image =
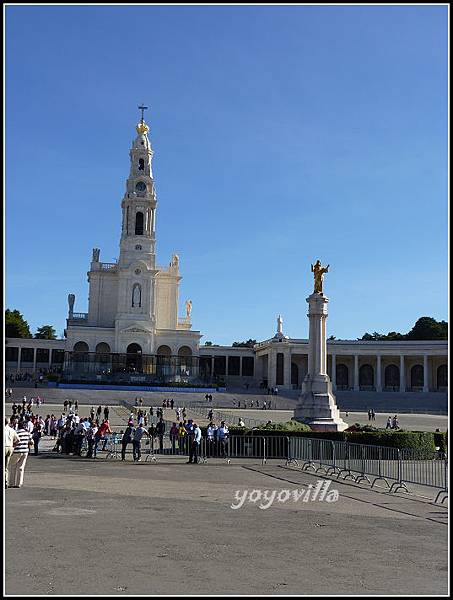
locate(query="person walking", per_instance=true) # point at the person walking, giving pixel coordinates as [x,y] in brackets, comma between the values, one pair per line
[139,432]
[126,439]
[195,446]
[160,430]
[189,435]
[210,439]
[181,437]
[101,434]
[222,435]
[19,457]
[10,440]
[173,437]
[389,423]
[36,436]
[91,435]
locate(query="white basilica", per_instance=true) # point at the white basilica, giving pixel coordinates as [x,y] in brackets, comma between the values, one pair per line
[133,304]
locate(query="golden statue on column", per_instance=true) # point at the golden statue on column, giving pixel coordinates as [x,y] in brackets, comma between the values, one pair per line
[319,271]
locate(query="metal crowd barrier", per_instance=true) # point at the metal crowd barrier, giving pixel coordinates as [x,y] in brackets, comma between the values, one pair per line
[396,467]
[361,462]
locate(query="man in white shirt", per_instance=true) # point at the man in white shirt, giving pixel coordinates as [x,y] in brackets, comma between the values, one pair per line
[11,439]
[211,433]
[194,449]
[222,436]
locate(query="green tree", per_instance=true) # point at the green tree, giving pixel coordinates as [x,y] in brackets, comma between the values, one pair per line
[46,332]
[15,325]
[208,343]
[248,344]
[394,336]
[427,328]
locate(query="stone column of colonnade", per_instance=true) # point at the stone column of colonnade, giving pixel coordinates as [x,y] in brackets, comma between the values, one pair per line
[402,374]
[378,373]
[272,369]
[425,373]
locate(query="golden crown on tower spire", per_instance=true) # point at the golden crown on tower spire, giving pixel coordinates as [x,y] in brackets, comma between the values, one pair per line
[142,128]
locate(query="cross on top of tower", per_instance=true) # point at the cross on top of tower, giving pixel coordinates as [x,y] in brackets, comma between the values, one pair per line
[142,108]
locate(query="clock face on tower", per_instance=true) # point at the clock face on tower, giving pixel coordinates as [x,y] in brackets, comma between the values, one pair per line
[140,186]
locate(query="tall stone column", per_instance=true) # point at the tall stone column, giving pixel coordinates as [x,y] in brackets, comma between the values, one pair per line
[378,373]
[425,373]
[402,374]
[272,369]
[34,360]
[317,404]
[19,356]
[356,374]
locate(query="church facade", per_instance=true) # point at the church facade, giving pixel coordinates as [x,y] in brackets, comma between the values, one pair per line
[132,323]
[132,333]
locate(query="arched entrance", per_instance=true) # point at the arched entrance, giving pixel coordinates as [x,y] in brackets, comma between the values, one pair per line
[366,377]
[442,377]
[185,360]
[417,376]
[81,347]
[163,362]
[392,377]
[134,358]
[342,376]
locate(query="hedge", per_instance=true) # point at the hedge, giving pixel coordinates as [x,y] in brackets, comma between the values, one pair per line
[423,441]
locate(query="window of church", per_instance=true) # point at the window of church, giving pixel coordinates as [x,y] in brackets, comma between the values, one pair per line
[139,223]
[141,164]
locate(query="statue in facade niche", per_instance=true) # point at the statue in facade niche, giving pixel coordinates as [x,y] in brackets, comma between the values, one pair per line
[188,309]
[175,260]
[136,296]
[319,271]
[71,300]
[96,253]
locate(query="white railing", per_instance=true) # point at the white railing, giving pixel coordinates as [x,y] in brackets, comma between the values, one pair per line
[78,316]
[108,266]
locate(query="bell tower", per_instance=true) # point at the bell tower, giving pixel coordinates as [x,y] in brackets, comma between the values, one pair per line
[139,203]
[136,308]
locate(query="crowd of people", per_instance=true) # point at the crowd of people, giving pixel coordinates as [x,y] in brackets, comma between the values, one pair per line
[73,433]
[266,405]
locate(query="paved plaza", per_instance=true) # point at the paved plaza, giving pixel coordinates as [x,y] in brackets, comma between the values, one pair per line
[106,527]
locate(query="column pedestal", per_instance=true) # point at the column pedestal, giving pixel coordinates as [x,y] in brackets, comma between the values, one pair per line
[317,406]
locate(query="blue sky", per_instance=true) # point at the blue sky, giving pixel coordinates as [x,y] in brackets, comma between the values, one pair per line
[282,134]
